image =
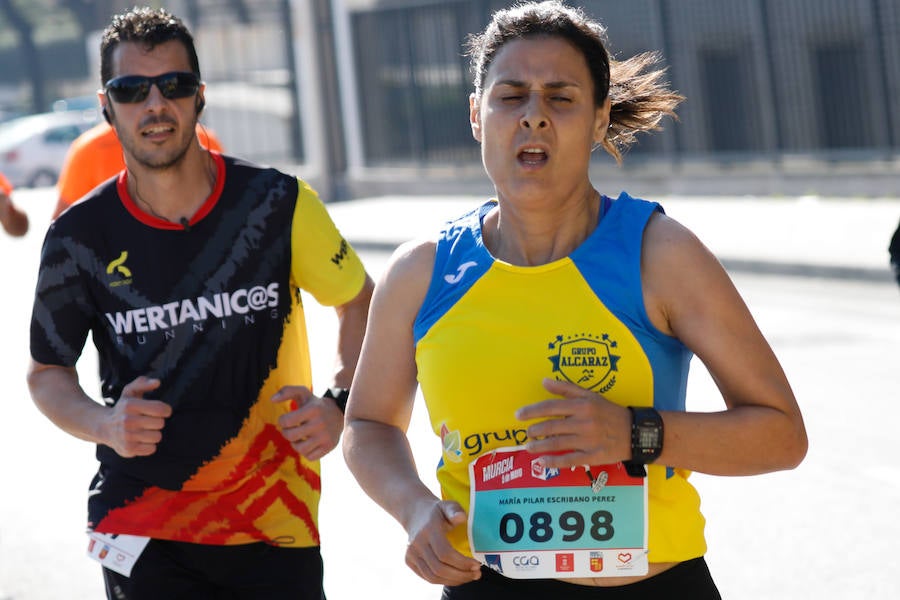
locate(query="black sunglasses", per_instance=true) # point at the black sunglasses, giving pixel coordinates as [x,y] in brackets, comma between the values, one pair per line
[135,88]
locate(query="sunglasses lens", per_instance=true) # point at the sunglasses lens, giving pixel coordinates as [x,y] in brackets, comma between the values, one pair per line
[178,85]
[134,88]
[130,88]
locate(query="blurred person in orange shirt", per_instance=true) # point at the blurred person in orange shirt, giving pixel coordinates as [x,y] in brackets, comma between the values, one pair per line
[95,156]
[14,220]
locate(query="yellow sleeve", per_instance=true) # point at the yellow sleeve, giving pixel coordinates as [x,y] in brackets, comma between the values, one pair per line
[322,262]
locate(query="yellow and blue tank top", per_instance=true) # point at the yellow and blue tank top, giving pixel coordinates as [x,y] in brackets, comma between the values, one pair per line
[488,332]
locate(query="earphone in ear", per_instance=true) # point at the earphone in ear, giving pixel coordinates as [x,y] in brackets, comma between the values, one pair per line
[200,104]
[106,115]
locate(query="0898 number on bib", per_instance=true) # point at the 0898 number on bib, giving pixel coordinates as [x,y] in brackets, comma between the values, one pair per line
[528,521]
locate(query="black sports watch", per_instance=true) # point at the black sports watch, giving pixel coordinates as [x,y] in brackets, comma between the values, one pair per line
[339,395]
[646,439]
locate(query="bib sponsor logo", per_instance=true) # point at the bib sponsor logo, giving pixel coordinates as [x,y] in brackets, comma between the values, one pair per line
[541,471]
[494,562]
[526,562]
[624,561]
[565,562]
[596,563]
[586,361]
[598,482]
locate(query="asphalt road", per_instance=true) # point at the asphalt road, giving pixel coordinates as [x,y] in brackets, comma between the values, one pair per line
[825,530]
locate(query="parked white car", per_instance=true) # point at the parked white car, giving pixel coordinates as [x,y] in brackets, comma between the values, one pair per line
[33,148]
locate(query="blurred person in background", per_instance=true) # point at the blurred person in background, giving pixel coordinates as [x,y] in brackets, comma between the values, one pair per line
[186,270]
[894,253]
[551,331]
[14,220]
[95,156]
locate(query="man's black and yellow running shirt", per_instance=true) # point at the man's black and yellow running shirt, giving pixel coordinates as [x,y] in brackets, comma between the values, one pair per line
[213,309]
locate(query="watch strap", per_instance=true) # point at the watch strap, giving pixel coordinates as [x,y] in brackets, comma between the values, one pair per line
[646,439]
[339,395]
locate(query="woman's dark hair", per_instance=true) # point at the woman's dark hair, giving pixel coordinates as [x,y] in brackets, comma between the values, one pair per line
[639,96]
[149,27]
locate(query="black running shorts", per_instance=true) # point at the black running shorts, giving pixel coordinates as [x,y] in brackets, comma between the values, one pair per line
[179,570]
[689,580]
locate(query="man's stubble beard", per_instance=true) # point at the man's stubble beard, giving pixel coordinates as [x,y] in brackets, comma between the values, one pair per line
[146,159]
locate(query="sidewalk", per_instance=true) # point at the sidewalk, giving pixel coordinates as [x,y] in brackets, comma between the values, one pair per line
[808,236]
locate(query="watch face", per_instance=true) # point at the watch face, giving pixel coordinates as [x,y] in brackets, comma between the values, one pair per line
[648,437]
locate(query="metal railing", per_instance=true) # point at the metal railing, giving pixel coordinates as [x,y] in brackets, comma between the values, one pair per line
[301,81]
[764,79]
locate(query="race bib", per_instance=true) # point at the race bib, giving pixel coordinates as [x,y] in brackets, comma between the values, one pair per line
[114,551]
[527,521]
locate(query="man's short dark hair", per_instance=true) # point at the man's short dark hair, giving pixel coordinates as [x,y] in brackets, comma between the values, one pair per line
[149,27]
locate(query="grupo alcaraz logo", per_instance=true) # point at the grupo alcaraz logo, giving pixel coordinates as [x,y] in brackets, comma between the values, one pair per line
[476,443]
[586,360]
[244,301]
